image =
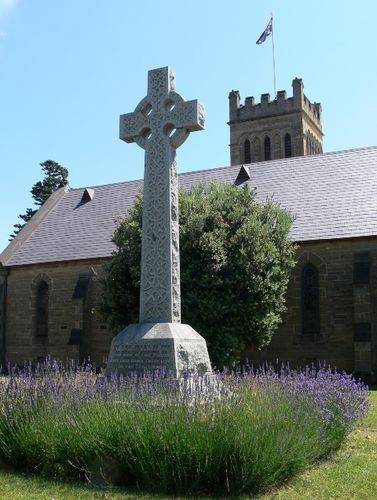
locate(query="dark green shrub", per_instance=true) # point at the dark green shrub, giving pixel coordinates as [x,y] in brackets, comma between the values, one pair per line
[236,260]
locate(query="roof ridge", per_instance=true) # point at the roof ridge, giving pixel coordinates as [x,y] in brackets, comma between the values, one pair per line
[292,158]
[208,169]
[109,184]
[141,180]
[309,157]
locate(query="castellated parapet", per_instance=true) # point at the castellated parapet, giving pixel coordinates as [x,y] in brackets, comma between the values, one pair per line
[271,129]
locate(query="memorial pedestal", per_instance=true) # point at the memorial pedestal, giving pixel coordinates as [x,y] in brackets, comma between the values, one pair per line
[146,347]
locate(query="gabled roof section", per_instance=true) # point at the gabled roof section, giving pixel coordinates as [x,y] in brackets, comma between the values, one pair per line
[332,196]
[87,195]
[31,227]
[243,176]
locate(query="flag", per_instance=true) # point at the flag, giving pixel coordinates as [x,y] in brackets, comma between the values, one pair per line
[265,33]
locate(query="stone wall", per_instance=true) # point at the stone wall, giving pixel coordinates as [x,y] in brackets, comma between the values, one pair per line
[75,330]
[3,291]
[348,314]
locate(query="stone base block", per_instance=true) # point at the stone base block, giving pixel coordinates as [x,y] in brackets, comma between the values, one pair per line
[146,347]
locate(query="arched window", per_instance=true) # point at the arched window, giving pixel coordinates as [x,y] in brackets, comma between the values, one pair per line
[256,149]
[267,148]
[42,309]
[288,145]
[247,151]
[310,300]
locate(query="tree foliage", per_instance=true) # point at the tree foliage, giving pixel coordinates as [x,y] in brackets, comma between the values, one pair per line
[54,177]
[236,260]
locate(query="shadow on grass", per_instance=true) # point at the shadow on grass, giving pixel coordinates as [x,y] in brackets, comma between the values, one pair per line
[20,485]
[14,484]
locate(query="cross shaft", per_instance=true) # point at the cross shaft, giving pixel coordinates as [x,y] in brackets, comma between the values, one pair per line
[160,123]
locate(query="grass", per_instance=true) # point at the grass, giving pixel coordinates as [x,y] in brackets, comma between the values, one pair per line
[352,473]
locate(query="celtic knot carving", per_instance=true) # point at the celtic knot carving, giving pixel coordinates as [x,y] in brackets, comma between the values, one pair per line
[161,122]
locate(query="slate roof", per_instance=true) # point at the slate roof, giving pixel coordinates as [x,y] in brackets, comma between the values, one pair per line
[332,196]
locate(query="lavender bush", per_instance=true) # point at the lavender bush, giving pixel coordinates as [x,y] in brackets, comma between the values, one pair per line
[244,432]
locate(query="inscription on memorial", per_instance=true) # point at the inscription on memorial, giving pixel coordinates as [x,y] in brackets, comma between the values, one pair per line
[144,356]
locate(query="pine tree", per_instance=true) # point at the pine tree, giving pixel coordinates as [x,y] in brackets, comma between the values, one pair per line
[55,176]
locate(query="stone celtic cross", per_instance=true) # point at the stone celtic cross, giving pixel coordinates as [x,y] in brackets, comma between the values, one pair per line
[160,123]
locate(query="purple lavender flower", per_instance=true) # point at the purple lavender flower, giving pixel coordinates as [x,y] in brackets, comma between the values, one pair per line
[258,421]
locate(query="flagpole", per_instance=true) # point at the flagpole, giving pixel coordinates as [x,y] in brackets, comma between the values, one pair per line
[273,55]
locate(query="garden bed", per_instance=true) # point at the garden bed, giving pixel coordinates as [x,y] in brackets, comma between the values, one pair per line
[252,431]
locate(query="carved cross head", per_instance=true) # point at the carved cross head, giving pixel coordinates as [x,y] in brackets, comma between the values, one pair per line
[162,115]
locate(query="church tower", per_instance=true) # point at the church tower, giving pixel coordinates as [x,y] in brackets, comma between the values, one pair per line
[284,127]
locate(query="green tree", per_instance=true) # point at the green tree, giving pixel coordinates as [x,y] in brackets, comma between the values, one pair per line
[54,177]
[236,260]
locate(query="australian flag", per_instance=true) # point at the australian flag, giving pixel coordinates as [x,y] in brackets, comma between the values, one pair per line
[265,33]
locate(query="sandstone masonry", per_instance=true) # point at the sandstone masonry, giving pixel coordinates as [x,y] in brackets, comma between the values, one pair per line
[75,330]
[347,309]
[347,337]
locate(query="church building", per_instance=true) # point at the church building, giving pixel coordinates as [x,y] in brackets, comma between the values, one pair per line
[50,273]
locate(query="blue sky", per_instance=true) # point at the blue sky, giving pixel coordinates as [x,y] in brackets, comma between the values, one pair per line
[68,69]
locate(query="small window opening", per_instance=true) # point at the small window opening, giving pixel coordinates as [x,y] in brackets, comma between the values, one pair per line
[88,195]
[81,288]
[288,145]
[361,269]
[247,151]
[267,148]
[310,300]
[362,332]
[243,176]
[42,309]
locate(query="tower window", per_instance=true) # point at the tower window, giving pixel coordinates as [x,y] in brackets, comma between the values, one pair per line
[267,148]
[310,300]
[247,151]
[288,145]
[42,309]
[257,156]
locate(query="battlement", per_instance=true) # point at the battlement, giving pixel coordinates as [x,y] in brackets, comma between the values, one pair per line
[271,129]
[278,106]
